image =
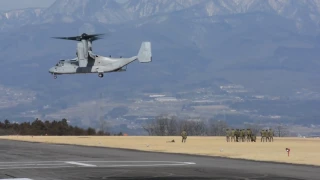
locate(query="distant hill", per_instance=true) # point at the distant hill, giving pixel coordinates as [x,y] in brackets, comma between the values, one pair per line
[271,47]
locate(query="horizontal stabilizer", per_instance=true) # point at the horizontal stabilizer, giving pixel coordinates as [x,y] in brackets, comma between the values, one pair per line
[145,54]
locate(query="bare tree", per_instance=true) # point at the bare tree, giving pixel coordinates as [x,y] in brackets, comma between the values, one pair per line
[199,128]
[255,128]
[161,126]
[217,128]
[149,127]
[162,123]
[172,126]
[194,127]
[182,126]
[281,130]
[104,126]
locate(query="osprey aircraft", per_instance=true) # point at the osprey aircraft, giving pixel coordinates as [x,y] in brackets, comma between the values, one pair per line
[88,62]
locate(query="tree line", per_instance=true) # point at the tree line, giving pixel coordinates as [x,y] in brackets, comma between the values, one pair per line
[173,126]
[50,128]
[160,126]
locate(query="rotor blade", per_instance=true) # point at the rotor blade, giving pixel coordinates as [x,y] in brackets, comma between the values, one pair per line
[95,38]
[76,38]
[91,37]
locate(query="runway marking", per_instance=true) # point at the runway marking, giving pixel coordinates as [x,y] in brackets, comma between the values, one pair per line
[17,179]
[4,165]
[25,162]
[81,164]
[77,164]
[48,167]
[136,161]
[189,162]
[141,165]
[178,162]
[172,163]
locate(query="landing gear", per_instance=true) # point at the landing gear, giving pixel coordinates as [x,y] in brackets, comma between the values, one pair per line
[54,76]
[100,75]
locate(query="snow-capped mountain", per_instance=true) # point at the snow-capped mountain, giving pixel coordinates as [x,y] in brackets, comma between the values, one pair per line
[18,18]
[271,46]
[303,13]
[111,11]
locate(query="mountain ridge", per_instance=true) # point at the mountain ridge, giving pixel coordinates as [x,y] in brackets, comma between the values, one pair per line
[111,11]
[200,44]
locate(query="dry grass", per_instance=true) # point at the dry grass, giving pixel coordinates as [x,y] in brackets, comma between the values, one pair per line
[303,150]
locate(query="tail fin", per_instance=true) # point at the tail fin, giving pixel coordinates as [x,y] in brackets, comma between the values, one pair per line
[145,55]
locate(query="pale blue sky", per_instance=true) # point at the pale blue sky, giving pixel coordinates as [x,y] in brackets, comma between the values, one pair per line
[17,4]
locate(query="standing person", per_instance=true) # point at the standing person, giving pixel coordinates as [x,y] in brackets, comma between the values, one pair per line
[271,135]
[184,136]
[237,133]
[228,135]
[263,135]
[249,135]
[267,135]
[240,135]
[232,135]
[253,138]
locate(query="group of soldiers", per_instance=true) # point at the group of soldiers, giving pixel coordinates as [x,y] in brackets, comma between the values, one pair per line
[246,135]
[267,135]
[241,135]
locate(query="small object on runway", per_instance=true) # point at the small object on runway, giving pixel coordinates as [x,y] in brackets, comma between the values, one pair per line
[288,151]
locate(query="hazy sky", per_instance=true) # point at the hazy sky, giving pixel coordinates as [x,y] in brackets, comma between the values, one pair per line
[17,4]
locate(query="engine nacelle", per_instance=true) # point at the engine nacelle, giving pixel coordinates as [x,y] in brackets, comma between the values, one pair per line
[83,61]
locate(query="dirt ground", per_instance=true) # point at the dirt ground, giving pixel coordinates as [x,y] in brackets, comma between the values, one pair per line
[302,150]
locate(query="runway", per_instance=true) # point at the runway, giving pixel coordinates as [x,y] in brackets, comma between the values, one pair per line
[37,161]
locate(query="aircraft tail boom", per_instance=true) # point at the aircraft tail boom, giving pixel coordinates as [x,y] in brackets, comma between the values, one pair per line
[145,55]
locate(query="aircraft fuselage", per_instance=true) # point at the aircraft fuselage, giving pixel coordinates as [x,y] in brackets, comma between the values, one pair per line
[88,62]
[98,65]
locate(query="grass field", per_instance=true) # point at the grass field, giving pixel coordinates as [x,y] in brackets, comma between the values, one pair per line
[303,150]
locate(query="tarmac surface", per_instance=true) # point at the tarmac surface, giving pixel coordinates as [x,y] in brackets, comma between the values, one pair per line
[39,161]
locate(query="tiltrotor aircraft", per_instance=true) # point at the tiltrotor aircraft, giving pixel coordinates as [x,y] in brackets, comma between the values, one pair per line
[88,62]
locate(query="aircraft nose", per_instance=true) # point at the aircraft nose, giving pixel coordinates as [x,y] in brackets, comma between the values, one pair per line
[51,70]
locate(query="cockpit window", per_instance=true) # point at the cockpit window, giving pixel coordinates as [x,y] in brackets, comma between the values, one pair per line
[73,61]
[60,63]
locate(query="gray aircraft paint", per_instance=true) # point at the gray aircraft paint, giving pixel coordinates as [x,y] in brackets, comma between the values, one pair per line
[88,62]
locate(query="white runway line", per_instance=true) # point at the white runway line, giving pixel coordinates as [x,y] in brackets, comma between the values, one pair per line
[173,162]
[81,164]
[15,165]
[189,162]
[24,162]
[76,163]
[37,167]
[17,179]
[141,165]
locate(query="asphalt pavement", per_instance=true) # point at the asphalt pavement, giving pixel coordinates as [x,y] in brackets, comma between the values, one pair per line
[37,161]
